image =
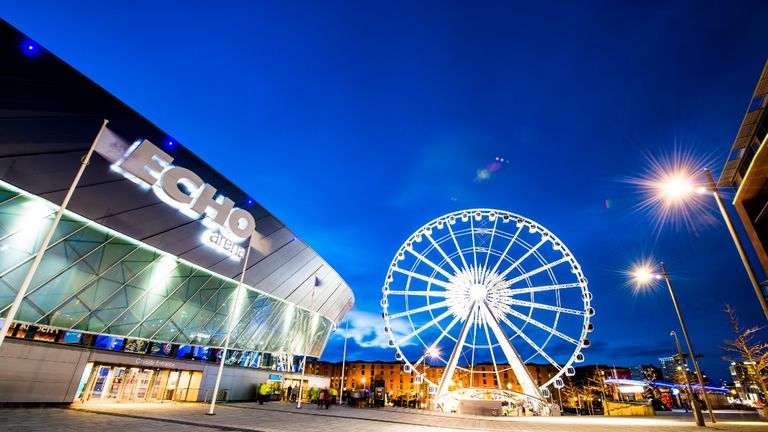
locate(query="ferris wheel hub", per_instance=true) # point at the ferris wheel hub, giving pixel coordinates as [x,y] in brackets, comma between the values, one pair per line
[478,292]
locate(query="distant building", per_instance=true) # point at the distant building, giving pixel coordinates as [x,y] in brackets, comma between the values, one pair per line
[747,170]
[744,382]
[668,368]
[360,374]
[586,373]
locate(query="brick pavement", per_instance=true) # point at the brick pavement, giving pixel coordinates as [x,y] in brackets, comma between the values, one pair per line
[279,417]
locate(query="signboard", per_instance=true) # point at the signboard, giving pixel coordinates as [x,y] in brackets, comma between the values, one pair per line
[228,226]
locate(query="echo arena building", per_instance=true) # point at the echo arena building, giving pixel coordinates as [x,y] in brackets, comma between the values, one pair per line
[132,298]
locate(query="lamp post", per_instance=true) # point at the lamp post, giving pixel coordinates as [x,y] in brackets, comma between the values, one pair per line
[737,242]
[343,364]
[695,407]
[429,352]
[677,184]
[602,390]
[645,275]
[365,393]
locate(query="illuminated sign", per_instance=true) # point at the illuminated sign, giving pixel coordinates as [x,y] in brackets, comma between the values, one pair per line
[147,165]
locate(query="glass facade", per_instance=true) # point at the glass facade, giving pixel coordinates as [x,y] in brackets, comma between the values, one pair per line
[95,280]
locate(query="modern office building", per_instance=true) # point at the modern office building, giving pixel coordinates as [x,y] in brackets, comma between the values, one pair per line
[747,171]
[134,295]
[746,382]
[668,368]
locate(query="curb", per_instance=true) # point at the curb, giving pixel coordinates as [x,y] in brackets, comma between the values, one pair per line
[167,420]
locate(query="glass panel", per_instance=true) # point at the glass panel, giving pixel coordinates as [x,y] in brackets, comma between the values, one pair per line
[92,279]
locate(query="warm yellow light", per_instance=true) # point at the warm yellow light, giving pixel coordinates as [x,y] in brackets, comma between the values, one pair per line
[643,274]
[676,185]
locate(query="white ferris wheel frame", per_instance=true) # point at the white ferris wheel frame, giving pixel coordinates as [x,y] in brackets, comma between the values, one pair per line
[490,311]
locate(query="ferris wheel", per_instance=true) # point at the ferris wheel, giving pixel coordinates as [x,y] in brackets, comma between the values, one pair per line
[485,292]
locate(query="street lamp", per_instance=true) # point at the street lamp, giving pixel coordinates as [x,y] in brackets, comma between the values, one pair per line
[695,407]
[645,275]
[675,187]
[430,352]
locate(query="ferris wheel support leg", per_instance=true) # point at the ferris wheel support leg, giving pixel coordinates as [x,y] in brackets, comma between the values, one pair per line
[521,372]
[442,388]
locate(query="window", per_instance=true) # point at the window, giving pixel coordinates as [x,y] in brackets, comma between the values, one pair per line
[756,103]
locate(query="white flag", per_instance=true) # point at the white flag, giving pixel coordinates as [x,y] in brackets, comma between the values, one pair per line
[111,146]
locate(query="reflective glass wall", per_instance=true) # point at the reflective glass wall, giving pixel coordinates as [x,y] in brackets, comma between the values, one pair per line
[96,280]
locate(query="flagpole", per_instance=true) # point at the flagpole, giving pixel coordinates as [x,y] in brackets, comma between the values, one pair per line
[44,245]
[306,340]
[343,363]
[230,326]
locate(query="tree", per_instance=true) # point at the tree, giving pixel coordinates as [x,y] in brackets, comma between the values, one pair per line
[594,386]
[750,351]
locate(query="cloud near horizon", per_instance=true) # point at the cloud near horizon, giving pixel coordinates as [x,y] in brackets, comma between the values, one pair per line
[367,330]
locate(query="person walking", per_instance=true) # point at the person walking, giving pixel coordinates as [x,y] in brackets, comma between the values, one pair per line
[321,398]
[334,396]
[263,392]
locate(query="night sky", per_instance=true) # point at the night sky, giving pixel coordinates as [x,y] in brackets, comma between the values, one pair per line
[357,122]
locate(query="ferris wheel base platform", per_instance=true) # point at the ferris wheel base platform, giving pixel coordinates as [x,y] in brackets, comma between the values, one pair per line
[493,403]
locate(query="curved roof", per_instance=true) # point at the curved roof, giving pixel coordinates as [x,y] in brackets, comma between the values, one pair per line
[48,119]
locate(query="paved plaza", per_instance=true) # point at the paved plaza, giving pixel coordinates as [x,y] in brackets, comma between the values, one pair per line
[279,417]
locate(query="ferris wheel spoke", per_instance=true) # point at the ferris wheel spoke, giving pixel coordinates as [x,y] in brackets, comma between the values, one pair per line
[511,301]
[431,280]
[430,293]
[442,252]
[474,344]
[490,247]
[426,308]
[534,272]
[440,338]
[490,348]
[506,250]
[474,247]
[520,260]
[538,324]
[530,342]
[426,261]
[534,289]
[425,326]
[456,243]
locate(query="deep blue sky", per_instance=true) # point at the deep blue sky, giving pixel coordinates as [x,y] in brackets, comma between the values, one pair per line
[357,122]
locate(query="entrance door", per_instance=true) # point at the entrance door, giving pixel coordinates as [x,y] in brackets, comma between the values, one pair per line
[116,385]
[100,383]
[142,385]
[129,385]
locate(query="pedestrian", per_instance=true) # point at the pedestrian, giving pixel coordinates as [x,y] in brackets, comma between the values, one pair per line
[321,398]
[334,396]
[294,393]
[289,394]
[263,392]
[327,399]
